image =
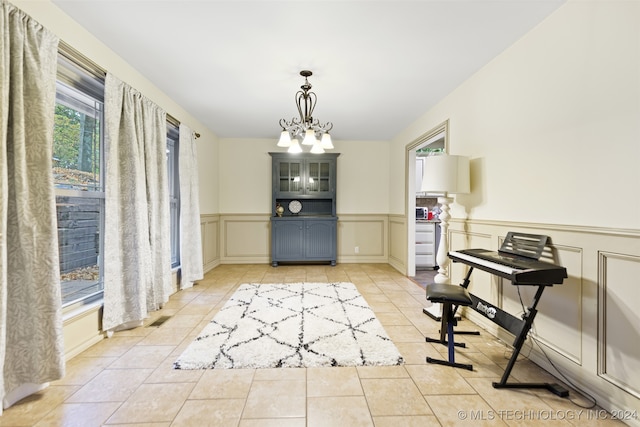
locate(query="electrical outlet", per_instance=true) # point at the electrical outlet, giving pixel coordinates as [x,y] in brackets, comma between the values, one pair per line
[357,249]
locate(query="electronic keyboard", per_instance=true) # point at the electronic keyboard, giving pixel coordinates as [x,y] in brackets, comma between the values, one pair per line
[519,269]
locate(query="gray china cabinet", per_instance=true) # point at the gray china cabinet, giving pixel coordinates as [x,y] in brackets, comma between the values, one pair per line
[303,208]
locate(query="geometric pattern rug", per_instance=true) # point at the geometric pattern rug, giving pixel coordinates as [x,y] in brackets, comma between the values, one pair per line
[287,325]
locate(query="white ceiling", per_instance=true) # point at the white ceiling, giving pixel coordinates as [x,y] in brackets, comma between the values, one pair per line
[377,65]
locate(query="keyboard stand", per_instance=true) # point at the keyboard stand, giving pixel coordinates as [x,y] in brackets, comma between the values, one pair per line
[521,245]
[518,327]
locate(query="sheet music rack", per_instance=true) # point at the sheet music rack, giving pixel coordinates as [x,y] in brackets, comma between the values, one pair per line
[523,244]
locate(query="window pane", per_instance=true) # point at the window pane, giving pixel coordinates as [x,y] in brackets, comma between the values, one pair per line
[174,192]
[76,141]
[79,224]
[77,168]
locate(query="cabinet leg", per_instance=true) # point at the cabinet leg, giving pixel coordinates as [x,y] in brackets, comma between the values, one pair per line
[274,263]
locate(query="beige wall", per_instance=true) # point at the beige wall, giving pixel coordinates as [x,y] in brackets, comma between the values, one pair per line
[551,124]
[245,175]
[76,36]
[588,327]
[552,128]
[553,131]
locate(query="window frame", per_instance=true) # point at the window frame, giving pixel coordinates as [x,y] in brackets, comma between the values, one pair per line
[173,179]
[82,80]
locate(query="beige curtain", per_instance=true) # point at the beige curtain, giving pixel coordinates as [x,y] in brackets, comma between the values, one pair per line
[137,255]
[31,341]
[191,268]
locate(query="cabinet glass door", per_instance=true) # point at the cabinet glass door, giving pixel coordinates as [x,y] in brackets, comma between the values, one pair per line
[290,179]
[319,177]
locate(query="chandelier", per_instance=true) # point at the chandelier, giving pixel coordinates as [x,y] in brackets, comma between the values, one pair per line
[305,130]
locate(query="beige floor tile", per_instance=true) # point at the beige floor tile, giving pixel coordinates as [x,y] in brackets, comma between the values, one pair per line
[349,411]
[333,382]
[382,372]
[376,298]
[214,412]
[416,353]
[166,336]
[165,373]
[482,365]
[152,403]
[131,377]
[223,384]
[291,374]
[273,422]
[407,421]
[400,334]
[276,399]
[515,406]
[183,320]
[423,323]
[81,370]
[31,409]
[111,385]
[573,409]
[115,346]
[439,379]
[79,414]
[396,396]
[143,356]
[404,299]
[395,319]
[166,424]
[461,410]
[383,307]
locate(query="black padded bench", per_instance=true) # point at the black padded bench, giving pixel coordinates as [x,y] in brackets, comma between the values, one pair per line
[449,296]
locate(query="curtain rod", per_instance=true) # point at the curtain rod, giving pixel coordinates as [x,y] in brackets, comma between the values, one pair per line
[69,52]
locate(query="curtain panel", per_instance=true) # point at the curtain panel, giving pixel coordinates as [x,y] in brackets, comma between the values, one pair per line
[31,340]
[137,256]
[191,267]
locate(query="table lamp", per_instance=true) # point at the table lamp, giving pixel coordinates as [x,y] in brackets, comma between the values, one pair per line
[445,174]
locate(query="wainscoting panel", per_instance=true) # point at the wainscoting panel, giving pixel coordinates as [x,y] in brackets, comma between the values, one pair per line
[367,233]
[588,327]
[619,326]
[398,242]
[245,238]
[82,330]
[209,225]
[558,323]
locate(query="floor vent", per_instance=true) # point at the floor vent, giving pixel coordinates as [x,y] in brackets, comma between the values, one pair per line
[158,322]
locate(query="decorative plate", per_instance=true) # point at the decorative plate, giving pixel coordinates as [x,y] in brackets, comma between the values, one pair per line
[295,206]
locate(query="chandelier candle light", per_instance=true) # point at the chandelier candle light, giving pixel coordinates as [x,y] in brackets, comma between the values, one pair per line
[306,128]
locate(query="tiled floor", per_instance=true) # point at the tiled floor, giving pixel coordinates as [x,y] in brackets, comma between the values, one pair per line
[128,379]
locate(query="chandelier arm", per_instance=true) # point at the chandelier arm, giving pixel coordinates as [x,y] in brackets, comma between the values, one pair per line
[300,97]
[326,127]
[313,100]
[306,101]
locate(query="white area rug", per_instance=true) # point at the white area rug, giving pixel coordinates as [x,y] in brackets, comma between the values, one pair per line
[292,325]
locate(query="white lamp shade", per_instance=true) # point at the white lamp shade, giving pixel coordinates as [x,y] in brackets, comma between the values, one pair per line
[285,139]
[295,146]
[309,137]
[317,148]
[446,174]
[326,142]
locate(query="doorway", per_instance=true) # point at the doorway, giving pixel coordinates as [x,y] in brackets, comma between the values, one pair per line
[433,141]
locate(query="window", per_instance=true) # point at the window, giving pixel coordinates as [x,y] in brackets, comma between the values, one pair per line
[78,177]
[173,136]
[78,172]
